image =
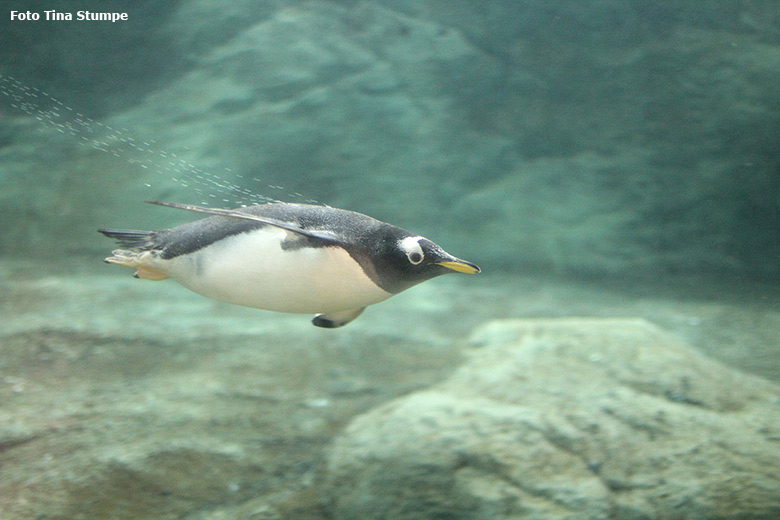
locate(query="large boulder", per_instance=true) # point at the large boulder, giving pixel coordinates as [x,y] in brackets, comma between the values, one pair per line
[574,419]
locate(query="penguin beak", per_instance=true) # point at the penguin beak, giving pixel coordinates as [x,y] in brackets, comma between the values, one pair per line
[461,266]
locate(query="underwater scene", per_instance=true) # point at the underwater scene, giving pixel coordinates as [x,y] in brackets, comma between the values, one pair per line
[390,259]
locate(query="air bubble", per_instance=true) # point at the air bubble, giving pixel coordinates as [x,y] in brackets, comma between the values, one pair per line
[144,153]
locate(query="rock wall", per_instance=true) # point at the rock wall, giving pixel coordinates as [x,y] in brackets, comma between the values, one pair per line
[621,138]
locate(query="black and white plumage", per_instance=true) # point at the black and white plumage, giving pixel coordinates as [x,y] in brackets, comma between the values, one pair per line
[283,257]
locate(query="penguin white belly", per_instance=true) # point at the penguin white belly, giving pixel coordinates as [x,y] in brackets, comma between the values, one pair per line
[253,270]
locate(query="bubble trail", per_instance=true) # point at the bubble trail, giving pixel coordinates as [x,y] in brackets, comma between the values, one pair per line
[141,153]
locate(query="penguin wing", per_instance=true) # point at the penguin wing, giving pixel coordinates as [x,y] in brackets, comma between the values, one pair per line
[334,320]
[232,213]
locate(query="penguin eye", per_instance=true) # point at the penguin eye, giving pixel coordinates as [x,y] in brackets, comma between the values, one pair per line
[415,257]
[412,249]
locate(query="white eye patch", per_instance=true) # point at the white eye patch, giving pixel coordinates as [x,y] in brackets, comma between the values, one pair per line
[411,247]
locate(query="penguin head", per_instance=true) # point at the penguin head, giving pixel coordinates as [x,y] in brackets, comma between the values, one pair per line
[406,260]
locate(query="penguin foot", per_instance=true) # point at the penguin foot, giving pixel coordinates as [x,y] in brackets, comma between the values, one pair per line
[137,260]
[334,320]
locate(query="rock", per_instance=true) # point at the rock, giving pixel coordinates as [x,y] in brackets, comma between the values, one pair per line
[570,418]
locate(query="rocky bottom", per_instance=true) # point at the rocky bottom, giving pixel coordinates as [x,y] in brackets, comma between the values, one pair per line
[487,397]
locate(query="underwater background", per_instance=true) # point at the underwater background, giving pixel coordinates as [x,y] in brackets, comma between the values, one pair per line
[613,166]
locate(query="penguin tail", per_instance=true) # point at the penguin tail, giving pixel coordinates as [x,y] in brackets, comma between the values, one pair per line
[130,238]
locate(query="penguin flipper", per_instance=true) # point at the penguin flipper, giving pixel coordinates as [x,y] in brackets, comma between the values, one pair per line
[232,213]
[334,320]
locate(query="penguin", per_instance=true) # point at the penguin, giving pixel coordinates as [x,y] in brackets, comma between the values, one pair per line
[284,257]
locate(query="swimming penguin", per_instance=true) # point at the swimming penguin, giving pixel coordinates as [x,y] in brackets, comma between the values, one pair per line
[298,258]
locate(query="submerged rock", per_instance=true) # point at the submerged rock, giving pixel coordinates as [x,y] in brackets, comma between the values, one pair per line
[571,418]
